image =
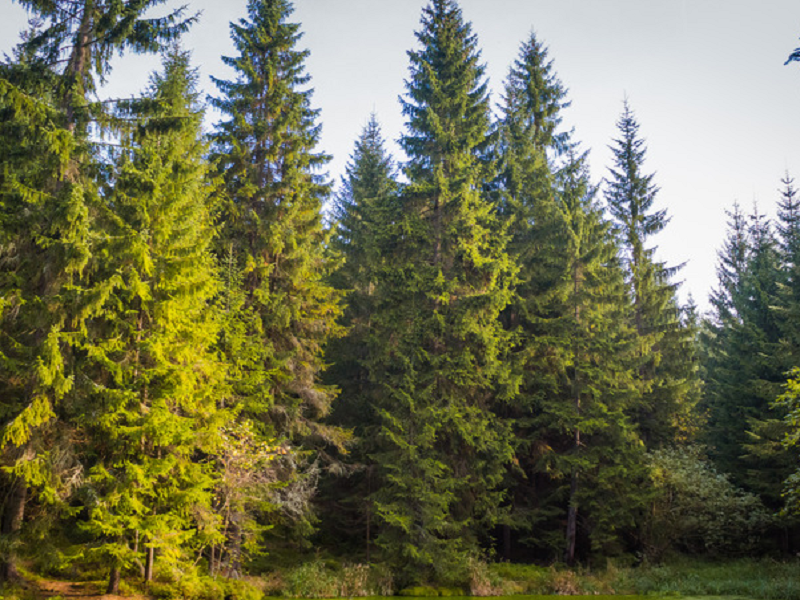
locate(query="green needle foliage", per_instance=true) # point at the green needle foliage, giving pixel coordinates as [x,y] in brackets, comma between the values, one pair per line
[528,144]
[279,308]
[364,210]
[272,223]
[155,378]
[44,249]
[667,369]
[749,347]
[89,33]
[53,195]
[437,345]
[742,363]
[584,415]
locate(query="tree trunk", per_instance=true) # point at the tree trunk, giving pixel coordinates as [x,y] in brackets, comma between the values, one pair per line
[507,542]
[572,521]
[113,580]
[76,66]
[150,555]
[10,528]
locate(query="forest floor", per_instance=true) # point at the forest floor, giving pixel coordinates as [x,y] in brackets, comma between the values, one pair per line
[40,588]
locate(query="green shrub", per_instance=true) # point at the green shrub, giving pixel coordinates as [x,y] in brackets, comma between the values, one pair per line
[523,579]
[698,510]
[193,585]
[427,591]
[329,579]
[419,591]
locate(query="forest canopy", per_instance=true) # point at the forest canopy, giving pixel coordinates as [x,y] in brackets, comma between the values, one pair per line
[213,358]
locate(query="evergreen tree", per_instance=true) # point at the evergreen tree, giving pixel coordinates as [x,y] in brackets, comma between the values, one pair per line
[788,304]
[528,142]
[155,379]
[364,208]
[89,33]
[603,464]
[44,250]
[743,371]
[50,204]
[437,346]
[788,403]
[273,236]
[362,211]
[667,374]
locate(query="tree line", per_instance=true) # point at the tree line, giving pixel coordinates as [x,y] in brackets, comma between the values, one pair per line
[473,351]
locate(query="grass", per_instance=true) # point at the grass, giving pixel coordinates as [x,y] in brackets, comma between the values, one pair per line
[762,579]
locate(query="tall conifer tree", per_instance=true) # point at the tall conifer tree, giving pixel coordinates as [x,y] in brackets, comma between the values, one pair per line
[527,147]
[438,345]
[742,355]
[273,239]
[71,49]
[264,149]
[150,355]
[667,374]
[587,327]
[363,212]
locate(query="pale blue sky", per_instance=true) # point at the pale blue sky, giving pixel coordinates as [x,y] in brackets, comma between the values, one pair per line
[705,77]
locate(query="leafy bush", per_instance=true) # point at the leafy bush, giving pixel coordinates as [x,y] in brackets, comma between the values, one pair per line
[523,579]
[191,584]
[698,510]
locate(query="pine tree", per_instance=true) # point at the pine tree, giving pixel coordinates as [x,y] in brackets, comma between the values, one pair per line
[437,346]
[273,236]
[155,379]
[667,376]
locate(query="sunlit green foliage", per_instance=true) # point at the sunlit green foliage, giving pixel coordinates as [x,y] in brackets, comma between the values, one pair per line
[437,348]
[150,405]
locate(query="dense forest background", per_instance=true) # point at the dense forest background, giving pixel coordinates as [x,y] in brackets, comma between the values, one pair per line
[470,356]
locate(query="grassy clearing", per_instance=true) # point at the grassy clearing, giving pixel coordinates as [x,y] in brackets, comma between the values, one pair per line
[763,579]
[695,579]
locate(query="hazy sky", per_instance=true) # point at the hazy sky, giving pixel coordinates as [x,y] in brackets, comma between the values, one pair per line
[705,77]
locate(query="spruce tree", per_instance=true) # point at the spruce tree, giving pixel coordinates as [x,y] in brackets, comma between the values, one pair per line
[155,378]
[363,211]
[667,376]
[527,147]
[55,196]
[742,351]
[89,33]
[273,238]
[437,346]
[44,248]
[788,304]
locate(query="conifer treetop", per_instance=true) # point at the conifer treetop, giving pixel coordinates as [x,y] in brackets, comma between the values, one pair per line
[534,90]
[447,102]
[630,192]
